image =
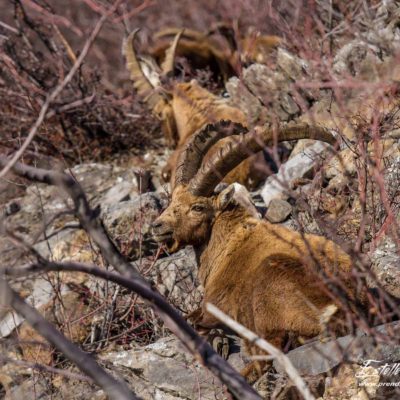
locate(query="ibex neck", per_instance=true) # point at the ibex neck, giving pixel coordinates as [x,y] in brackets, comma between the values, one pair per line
[225,227]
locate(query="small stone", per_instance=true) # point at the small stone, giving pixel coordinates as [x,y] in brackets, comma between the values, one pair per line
[293,66]
[278,211]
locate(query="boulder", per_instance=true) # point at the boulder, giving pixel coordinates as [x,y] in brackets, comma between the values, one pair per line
[164,370]
[296,168]
[319,357]
[386,267]
[129,222]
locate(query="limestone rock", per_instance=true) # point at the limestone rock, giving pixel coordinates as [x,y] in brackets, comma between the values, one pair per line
[353,382]
[40,292]
[294,67]
[242,98]
[278,211]
[297,167]
[71,311]
[386,267]
[129,222]
[164,370]
[316,357]
[176,278]
[343,162]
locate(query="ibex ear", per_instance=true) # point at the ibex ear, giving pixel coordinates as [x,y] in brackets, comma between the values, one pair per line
[238,195]
[225,197]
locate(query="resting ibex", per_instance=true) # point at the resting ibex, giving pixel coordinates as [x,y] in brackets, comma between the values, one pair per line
[205,52]
[185,109]
[258,273]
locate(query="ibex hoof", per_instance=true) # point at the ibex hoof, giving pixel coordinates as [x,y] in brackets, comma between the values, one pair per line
[220,342]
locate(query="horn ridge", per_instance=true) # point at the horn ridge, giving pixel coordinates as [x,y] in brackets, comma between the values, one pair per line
[190,158]
[231,155]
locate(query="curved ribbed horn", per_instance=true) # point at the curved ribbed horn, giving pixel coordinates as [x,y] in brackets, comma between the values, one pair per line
[231,155]
[144,81]
[169,61]
[190,159]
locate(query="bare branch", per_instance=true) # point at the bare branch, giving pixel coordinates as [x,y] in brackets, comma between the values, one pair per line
[264,345]
[115,389]
[45,368]
[194,343]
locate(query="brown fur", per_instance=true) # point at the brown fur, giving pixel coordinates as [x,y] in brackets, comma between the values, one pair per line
[262,275]
[258,48]
[193,108]
[205,51]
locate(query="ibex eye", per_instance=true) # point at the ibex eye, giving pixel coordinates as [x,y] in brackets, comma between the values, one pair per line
[198,207]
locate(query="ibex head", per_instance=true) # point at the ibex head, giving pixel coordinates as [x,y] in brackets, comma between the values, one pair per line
[195,206]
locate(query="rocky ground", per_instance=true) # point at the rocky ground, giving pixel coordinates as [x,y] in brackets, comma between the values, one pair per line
[351,196]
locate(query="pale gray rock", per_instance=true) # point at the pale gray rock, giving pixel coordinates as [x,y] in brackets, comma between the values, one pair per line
[294,67]
[122,191]
[165,371]
[386,267]
[278,211]
[103,183]
[129,222]
[176,278]
[242,98]
[317,357]
[350,56]
[41,293]
[297,167]
[288,104]
[39,389]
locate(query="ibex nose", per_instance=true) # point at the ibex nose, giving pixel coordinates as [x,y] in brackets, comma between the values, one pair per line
[160,231]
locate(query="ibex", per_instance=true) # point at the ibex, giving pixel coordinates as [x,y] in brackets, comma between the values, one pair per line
[260,274]
[199,46]
[185,109]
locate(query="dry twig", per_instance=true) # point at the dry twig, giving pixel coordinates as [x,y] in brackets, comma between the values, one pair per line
[264,345]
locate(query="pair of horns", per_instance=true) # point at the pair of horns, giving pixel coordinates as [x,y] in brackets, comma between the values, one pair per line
[145,73]
[202,179]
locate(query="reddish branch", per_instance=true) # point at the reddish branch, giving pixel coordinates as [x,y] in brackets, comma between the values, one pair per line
[57,91]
